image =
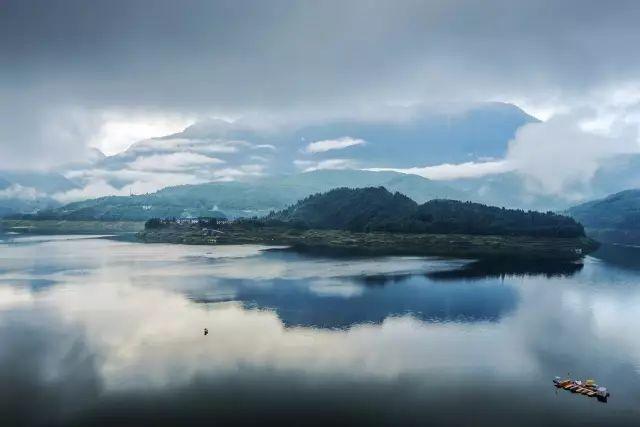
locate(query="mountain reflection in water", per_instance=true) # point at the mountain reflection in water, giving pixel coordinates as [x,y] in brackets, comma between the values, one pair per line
[343,303]
[503,268]
[98,332]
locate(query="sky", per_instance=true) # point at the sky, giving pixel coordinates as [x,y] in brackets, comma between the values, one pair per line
[77,75]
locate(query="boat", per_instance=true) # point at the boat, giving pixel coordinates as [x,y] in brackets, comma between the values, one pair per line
[587,388]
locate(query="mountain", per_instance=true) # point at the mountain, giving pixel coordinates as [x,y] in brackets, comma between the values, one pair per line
[619,173]
[431,137]
[22,191]
[363,209]
[613,219]
[247,151]
[244,198]
[422,136]
[511,189]
[377,209]
[44,182]
[217,150]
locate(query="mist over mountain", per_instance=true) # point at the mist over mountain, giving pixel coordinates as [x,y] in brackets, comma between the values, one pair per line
[23,191]
[431,136]
[248,198]
[613,219]
[250,150]
[216,150]
[246,164]
[45,182]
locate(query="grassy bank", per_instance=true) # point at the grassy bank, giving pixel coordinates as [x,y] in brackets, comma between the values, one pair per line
[380,243]
[69,227]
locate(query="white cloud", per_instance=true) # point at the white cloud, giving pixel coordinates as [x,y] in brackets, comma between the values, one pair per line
[195,145]
[310,165]
[94,189]
[243,171]
[17,191]
[119,130]
[562,155]
[258,159]
[333,144]
[449,171]
[11,297]
[152,164]
[99,183]
[122,182]
[173,162]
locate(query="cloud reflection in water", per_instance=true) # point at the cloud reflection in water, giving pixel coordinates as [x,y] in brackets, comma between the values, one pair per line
[124,338]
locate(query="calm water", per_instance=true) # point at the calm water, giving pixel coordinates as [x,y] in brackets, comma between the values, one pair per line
[101,332]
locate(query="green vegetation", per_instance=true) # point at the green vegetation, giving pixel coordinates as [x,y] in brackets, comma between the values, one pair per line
[241,199]
[614,219]
[375,221]
[377,243]
[69,227]
[376,209]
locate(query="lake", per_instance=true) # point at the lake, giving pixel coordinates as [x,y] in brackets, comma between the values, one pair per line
[95,331]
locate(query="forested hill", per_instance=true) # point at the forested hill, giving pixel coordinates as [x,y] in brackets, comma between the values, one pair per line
[377,209]
[614,219]
[617,211]
[243,199]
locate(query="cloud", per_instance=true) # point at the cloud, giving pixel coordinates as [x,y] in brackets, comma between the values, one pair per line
[562,155]
[242,171]
[456,171]
[101,183]
[173,162]
[311,165]
[195,145]
[17,191]
[152,164]
[333,144]
[558,157]
[321,59]
[34,136]
[118,131]
[170,170]
[93,189]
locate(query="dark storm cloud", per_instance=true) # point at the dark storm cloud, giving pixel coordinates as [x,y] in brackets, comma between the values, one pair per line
[63,59]
[246,54]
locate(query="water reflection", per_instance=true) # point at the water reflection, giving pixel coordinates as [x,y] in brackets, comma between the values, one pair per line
[115,338]
[502,268]
[341,303]
[627,257]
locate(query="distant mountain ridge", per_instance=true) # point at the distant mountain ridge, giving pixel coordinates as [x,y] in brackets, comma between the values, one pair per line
[426,136]
[218,151]
[613,219]
[261,160]
[22,191]
[244,199]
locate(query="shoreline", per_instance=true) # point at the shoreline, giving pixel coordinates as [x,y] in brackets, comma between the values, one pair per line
[380,243]
[326,241]
[28,226]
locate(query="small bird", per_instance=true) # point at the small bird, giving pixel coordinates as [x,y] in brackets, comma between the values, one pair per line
[206,331]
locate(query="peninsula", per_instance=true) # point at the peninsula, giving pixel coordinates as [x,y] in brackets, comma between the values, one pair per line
[374,221]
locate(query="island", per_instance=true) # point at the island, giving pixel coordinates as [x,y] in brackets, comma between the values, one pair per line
[374,221]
